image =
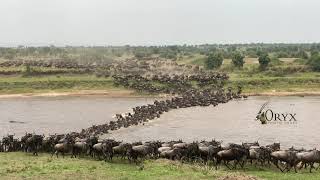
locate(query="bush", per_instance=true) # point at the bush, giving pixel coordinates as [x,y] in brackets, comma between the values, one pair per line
[264,61]
[314,62]
[214,61]
[237,60]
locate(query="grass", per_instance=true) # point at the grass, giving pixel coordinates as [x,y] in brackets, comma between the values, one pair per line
[19,84]
[289,76]
[19,165]
[303,83]
[257,83]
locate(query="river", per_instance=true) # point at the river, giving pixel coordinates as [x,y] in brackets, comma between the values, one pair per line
[230,122]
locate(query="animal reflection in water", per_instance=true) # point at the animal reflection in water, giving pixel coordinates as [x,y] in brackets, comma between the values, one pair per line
[262,114]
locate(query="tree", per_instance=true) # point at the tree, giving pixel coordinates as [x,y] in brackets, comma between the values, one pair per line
[237,60]
[302,54]
[314,62]
[214,61]
[264,60]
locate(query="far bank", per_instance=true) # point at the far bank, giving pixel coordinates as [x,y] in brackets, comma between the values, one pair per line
[89,85]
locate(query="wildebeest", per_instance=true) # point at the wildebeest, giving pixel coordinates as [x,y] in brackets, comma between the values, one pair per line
[7,143]
[97,150]
[34,143]
[91,141]
[172,154]
[309,157]
[140,151]
[122,150]
[208,153]
[65,145]
[259,153]
[236,154]
[287,156]
[248,145]
[80,147]
[107,148]
[273,147]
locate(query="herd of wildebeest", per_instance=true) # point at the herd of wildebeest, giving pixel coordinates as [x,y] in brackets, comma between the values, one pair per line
[203,152]
[186,91]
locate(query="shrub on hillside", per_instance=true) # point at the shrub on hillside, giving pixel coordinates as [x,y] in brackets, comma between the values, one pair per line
[214,61]
[314,62]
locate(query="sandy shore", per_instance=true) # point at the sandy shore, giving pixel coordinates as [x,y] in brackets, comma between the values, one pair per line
[129,93]
[107,93]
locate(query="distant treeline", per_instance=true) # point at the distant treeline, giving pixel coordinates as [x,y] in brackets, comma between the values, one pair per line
[95,53]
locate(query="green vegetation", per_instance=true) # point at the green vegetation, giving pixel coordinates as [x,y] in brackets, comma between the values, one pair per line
[237,60]
[288,76]
[264,61]
[18,84]
[314,62]
[214,61]
[25,166]
[259,68]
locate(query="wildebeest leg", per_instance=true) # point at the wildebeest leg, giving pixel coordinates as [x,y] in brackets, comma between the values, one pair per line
[111,156]
[226,164]
[311,166]
[288,167]
[217,163]
[36,151]
[57,154]
[53,152]
[105,156]
[276,163]
[243,163]
[261,162]
[235,164]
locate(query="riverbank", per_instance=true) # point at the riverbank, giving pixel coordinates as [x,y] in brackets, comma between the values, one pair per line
[133,94]
[25,166]
[88,85]
[106,93]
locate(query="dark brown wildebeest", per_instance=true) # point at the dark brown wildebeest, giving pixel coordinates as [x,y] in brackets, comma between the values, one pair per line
[107,148]
[171,154]
[309,157]
[287,156]
[34,143]
[79,148]
[236,154]
[208,153]
[122,149]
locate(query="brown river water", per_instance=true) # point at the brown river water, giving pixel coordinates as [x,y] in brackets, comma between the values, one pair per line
[230,122]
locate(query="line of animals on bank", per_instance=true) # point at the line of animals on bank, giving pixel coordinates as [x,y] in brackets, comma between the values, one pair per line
[231,155]
[170,84]
[128,66]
